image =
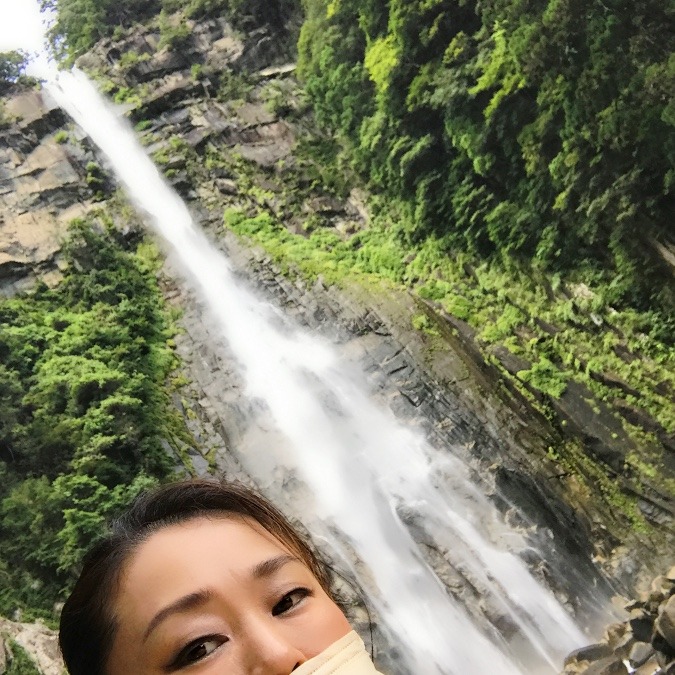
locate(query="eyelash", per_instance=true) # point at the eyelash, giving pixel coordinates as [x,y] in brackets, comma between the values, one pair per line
[183,660]
[296,596]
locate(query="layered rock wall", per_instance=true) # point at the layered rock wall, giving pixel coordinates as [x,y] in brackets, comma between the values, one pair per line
[42,187]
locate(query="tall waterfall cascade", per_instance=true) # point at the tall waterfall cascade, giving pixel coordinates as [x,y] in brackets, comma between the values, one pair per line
[360,465]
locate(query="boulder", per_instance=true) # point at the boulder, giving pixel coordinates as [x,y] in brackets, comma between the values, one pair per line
[641,625]
[646,640]
[608,666]
[640,653]
[590,653]
[665,622]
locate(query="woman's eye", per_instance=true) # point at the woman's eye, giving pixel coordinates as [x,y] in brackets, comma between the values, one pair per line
[197,650]
[290,600]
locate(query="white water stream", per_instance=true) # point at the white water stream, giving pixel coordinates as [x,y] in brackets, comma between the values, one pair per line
[357,460]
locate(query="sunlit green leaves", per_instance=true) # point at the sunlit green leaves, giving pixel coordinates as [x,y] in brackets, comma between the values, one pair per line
[539,129]
[79,23]
[382,57]
[83,409]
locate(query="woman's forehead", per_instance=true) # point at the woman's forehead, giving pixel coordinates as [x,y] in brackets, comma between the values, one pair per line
[194,554]
[231,531]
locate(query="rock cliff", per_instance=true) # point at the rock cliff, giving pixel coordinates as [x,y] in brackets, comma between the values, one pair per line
[43,188]
[225,133]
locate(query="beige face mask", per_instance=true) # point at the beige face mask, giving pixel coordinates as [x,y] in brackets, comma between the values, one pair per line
[347,656]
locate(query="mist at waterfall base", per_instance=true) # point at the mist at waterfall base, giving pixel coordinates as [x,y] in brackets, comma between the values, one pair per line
[362,467]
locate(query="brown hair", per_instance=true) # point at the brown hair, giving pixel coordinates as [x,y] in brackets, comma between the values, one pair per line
[88,626]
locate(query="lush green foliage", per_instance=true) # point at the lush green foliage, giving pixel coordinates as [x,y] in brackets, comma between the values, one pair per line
[243,13]
[175,32]
[80,23]
[83,411]
[12,66]
[540,129]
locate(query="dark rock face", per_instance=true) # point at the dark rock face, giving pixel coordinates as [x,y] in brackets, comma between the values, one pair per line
[644,643]
[42,188]
[665,623]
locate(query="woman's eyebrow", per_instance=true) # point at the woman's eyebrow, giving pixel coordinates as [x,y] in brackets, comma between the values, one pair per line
[263,569]
[184,604]
[268,567]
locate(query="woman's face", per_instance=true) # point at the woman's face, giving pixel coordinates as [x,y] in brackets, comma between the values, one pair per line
[219,596]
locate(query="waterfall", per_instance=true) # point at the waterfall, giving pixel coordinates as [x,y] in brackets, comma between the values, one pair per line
[363,468]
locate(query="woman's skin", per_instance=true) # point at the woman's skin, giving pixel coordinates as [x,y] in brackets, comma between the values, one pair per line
[219,595]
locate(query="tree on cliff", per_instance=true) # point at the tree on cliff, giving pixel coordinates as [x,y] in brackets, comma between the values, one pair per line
[83,411]
[80,23]
[12,67]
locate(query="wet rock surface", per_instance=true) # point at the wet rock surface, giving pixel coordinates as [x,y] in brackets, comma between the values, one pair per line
[644,643]
[371,340]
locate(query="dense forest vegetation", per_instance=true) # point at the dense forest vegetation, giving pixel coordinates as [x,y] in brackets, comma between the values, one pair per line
[83,411]
[538,129]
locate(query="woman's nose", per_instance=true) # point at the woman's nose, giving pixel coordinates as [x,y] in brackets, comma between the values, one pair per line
[271,651]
